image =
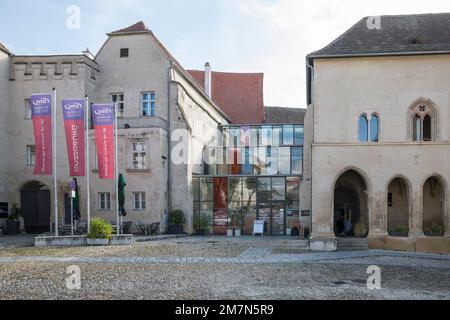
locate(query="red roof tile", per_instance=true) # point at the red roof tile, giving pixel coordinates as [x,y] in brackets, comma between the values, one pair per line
[135,28]
[239,95]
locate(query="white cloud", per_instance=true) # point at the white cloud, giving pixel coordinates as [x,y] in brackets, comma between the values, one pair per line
[296,28]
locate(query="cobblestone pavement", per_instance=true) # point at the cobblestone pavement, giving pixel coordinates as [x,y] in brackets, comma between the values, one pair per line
[218,268]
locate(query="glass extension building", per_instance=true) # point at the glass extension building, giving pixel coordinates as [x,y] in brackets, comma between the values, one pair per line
[255,174]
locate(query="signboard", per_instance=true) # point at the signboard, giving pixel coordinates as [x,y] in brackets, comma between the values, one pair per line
[258,227]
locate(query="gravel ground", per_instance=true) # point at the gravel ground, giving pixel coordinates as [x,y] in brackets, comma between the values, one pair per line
[200,270]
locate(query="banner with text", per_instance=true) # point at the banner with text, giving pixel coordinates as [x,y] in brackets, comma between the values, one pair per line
[103,117]
[73,113]
[41,113]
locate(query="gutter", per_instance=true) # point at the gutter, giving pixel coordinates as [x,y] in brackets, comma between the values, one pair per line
[379,54]
[311,67]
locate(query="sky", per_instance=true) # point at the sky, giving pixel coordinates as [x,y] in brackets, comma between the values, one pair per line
[269,36]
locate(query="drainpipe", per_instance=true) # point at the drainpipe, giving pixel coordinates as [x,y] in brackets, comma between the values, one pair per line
[169,142]
[311,67]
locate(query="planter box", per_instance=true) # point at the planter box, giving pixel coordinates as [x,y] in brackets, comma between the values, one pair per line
[97,242]
[122,240]
[75,241]
[237,233]
[12,227]
[230,233]
[175,229]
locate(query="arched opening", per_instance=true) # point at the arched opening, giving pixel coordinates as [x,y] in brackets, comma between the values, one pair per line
[374,128]
[433,207]
[398,208]
[363,128]
[423,118]
[35,203]
[351,206]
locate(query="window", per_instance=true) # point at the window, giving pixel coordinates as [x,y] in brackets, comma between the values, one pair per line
[148,104]
[139,155]
[119,98]
[299,135]
[104,201]
[288,135]
[363,128]
[284,160]
[27,109]
[297,161]
[423,121]
[139,201]
[31,155]
[124,52]
[374,127]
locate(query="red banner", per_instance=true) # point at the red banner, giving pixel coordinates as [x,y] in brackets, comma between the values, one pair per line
[73,112]
[41,113]
[103,117]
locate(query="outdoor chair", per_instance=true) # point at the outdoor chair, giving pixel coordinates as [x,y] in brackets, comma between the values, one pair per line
[142,227]
[126,227]
[153,229]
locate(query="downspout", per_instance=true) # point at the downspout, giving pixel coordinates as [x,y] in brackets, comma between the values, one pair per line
[169,142]
[311,67]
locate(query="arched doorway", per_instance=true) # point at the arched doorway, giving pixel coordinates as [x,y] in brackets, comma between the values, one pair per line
[35,202]
[350,205]
[398,207]
[434,207]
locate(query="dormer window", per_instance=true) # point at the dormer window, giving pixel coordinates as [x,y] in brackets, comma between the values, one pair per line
[124,52]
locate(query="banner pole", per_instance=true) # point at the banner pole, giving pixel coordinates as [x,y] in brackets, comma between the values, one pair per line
[71,212]
[55,180]
[116,172]
[87,165]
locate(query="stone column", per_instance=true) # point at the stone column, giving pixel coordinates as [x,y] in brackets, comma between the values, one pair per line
[377,207]
[322,237]
[447,216]
[416,215]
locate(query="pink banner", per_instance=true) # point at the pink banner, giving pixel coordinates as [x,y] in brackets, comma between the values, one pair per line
[103,117]
[41,113]
[73,112]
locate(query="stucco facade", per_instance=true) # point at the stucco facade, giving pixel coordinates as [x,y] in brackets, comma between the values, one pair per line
[179,103]
[345,89]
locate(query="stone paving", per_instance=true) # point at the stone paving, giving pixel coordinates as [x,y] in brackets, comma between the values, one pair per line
[219,268]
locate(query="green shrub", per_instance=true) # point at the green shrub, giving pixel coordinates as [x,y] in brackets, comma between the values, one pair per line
[201,223]
[434,229]
[361,230]
[15,214]
[401,230]
[100,229]
[176,218]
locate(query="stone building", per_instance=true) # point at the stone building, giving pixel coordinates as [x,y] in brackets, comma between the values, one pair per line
[379,113]
[168,117]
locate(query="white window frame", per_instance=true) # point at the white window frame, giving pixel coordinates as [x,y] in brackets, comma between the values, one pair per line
[120,102]
[151,112]
[138,164]
[139,201]
[31,155]
[104,204]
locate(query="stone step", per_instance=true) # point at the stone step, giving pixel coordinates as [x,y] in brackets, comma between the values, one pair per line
[352,244]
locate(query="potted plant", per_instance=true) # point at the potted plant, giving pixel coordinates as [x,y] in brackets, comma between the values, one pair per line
[176,222]
[201,225]
[231,222]
[13,222]
[238,221]
[100,234]
[361,230]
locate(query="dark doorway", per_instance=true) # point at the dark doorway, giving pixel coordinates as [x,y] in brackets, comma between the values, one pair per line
[350,205]
[67,209]
[35,202]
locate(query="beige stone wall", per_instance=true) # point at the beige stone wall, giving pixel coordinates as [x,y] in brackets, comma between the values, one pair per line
[4,124]
[345,88]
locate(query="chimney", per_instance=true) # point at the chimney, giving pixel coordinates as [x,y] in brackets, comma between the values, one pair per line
[88,54]
[208,79]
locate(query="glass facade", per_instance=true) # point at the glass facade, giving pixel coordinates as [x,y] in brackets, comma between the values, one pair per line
[254,174]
